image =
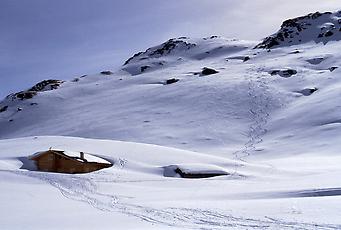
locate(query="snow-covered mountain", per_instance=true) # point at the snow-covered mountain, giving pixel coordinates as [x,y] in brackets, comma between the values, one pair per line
[267,115]
[318,27]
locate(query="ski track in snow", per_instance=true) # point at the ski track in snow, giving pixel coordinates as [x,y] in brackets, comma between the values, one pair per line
[85,190]
[261,102]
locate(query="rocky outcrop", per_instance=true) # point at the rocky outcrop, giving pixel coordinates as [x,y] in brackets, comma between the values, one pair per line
[171,81]
[283,72]
[179,44]
[144,68]
[318,27]
[3,108]
[45,85]
[208,71]
[106,72]
[331,69]
[23,95]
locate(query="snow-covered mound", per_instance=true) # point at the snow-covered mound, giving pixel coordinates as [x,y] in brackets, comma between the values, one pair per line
[177,50]
[317,27]
[194,171]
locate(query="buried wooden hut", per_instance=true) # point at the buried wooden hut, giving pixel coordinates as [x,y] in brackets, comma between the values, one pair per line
[68,162]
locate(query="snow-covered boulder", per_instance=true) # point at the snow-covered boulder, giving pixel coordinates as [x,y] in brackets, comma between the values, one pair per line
[307,91]
[194,171]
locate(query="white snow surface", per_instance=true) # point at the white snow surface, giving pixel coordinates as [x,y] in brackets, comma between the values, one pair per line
[278,142]
[284,193]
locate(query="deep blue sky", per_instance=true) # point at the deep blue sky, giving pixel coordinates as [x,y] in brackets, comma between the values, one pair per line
[41,39]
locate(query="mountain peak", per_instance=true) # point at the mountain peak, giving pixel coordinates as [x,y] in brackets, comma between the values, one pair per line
[318,27]
[176,50]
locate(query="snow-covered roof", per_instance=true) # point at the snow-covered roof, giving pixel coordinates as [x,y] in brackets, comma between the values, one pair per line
[75,155]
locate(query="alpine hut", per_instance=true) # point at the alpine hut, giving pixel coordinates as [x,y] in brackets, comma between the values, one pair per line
[68,162]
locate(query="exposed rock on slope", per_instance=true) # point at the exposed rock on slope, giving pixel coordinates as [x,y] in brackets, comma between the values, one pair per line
[284,72]
[174,44]
[318,27]
[177,50]
[307,91]
[45,85]
[208,71]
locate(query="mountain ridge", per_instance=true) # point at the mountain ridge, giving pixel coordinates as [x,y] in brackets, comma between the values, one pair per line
[317,27]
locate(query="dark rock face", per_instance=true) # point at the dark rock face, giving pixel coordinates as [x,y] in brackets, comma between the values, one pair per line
[144,68]
[283,73]
[171,81]
[3,109]
[131,58]
[23,95]
[106,72]
[318,27]
[208,71]
[162,50]
[331,69]
[168,46]
[328,33]
[45,85]
[246,58]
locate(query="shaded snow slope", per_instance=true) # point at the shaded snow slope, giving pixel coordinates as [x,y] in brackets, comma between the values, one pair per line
[317,27]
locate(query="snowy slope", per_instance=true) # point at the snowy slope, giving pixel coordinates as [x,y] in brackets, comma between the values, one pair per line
[291,194]
[270,119]
[217,113]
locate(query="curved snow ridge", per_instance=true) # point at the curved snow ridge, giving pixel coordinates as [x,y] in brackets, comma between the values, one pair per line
[320,192]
